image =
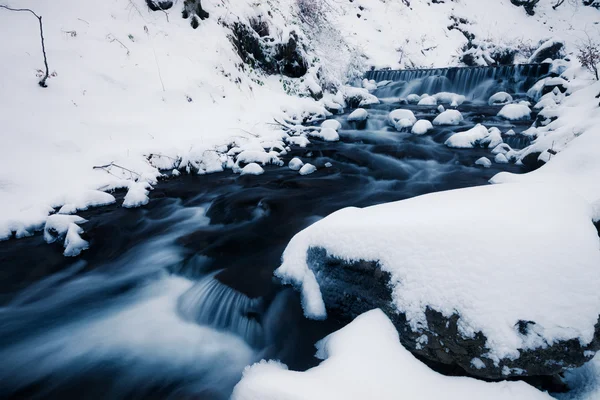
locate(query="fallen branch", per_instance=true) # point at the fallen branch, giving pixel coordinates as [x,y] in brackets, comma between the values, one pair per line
[112,39]
[107,167]
[42,82]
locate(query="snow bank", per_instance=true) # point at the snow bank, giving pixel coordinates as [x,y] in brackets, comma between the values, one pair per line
[365,360]
[515,112]
[448,117]
[442,252]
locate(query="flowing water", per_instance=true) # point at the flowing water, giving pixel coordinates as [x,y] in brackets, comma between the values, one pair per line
[174,299]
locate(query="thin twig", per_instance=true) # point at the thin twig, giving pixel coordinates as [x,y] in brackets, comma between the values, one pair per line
[112,39]
[42,83]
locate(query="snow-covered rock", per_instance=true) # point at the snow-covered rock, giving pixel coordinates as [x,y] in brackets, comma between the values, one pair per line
[300,141]
[413,98]
[428,101]
[502,148]
[252,169]
[453,99]
[500,98]
[66,228]
[448,117]
[358,115]
[484,162]
[327,134]
[478,136]
[515,112]
[331,124]
[421,127]
[500,159]
[431,264]
[401,119]
[366,360]
[307,169]
[295,164]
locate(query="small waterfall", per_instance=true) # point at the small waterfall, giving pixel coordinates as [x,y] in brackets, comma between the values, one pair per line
[473,82]
[210,302]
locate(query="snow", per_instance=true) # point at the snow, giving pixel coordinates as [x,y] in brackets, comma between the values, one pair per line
[413,98]
[299,141]
[453,99]
[515,112]
[137,195]
[360,114]
[434,246]
[500,159]
[448,117]
[65,227]
[85,200]
[428,101]
[327,134]
[365,360]
[295,164]
[331,124]
[500,98]
[502,148]
[484,162]
[307,169]
[252,169]
[479,135]
[421,127]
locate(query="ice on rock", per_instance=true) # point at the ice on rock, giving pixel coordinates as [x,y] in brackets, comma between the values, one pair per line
[300,141]
[307,169]
[295,164]
[484,162]
[448,117]
[421,127]
[360,114]
[252,169]
[401,119]
[137,195]
[428,101]
[500,98]
[365,360]
[515,112]
[433,247]
[331,124]
[327,134]
[500,159]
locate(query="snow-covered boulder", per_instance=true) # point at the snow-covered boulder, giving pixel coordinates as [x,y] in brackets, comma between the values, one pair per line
[137,195]
[515,112]
[421,127]
[331,124]
[300,141]
[366,360]
[358,97]
[458,280]
[358,115]
[402,119]
[484,162]
[307,169]
[500,98]
[478,136]
[502,148]
[553,84]
[500,159]
[551,49]
[453,99]
[252,169]
[448,117]
[413,98]
[295,164]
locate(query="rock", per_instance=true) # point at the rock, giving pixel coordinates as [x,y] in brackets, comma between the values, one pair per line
[500,159]
[528,5]
[358,115]
[331,124]
[484,162]
[252,169]
[532,161]
[421,127]
[295,164]
[307,169]
[500,99]
[366,286]
[448,117]
[159,5]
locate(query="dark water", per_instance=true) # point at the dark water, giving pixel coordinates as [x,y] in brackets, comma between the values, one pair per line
[172,300]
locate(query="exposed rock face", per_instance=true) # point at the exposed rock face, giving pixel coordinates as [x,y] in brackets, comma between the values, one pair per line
[159,5]
[528,5]
[352,288]
[259,51]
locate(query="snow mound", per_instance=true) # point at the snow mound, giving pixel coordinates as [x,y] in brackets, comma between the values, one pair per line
[500,98]
[448,117]
[441,251]
[413,98]
[252,169]
[307,169]
[295,164]
[515,112]
[453,99]
[331,124]
[478,136]
[500,159]
[365,360]
[421,127]
[86,199]
[360,114]
[299,141]
[137,195]
[59,227]
[428,101]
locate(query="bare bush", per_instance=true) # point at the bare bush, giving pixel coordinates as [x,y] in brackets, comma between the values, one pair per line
[589,56]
